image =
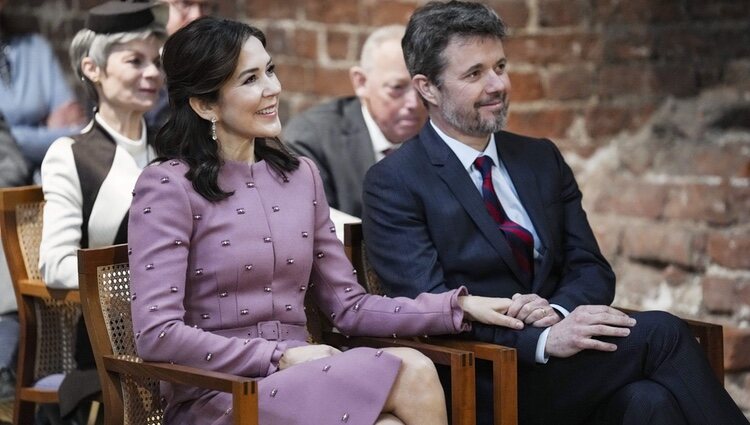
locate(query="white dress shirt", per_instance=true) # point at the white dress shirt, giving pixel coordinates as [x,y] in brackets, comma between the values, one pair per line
[508,196]
[379,143]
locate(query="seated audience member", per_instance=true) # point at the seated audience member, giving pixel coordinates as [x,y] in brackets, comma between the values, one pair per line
[34,96]
[13,172]
[230,232]
[88,179]
[467,204]
[181,13]
[346,136]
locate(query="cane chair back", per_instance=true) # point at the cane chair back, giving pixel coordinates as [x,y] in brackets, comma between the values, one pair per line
[47,317]
[502,359]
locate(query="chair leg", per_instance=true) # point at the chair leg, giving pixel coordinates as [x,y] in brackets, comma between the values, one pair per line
[95,417]
[24,412]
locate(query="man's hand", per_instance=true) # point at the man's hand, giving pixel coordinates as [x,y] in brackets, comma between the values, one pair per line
[577,332]
[489,311]
[66,115]
[305,353]
[533,310]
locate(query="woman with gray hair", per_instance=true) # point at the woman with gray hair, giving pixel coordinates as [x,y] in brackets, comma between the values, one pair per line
[88,179]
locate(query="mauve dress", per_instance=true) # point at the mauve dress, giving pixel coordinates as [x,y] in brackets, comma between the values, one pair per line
[221,286]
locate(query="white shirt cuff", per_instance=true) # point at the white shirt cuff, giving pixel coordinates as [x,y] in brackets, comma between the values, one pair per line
[541,343]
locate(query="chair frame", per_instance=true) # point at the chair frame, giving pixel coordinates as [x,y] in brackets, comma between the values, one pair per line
[503,359]
[111,368]
[28,288]
[709,337]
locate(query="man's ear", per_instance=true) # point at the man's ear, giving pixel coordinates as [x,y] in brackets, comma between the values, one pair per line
[204,109]
[359,80]
[90,69]
[426,89]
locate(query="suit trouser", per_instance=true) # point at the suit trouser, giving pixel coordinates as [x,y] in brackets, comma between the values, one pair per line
[658,375]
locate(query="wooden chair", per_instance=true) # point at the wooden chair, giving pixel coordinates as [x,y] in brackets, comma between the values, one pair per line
[709,337]
[503,359]
[47,317]
[130,385]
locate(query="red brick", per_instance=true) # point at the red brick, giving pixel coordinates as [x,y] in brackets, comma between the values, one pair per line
[608,233]
[606,120]
[558,48]
[633,44]
[736,348]
[626,79]
[562,13]
[632,198]
[337,45]
[277,41]
[551,123]
[730,249]
[662,243]
[575,82]
[673,79]
[294,78]
[331,82]
[273,9]
[333,11]
[725,295]
[717,9]
[698,202]
[305,44]
[526,86]
[609,12]
[514,13]
[739,203]
[636,283]
[388,12]
[706,158]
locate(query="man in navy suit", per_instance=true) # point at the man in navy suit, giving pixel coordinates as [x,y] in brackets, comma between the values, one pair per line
[466,203]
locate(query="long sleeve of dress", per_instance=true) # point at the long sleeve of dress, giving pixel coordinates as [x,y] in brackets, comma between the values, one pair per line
[353,311]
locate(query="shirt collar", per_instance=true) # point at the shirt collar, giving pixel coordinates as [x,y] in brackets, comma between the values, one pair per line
[379,142]
[465,153]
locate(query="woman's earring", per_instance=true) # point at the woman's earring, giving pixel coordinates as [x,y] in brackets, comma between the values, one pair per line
[213,129]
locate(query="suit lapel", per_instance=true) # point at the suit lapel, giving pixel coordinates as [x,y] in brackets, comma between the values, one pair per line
[524,180]
[353,132]
[452,172]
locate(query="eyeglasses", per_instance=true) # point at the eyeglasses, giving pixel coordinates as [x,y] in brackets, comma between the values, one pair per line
[185,6]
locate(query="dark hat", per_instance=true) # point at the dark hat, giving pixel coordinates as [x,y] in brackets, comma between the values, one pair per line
[123,16]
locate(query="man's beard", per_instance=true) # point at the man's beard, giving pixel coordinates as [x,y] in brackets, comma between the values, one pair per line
[471,122]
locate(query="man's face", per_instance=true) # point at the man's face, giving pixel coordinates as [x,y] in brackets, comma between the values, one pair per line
[183,12]
[389,95]
[474,93]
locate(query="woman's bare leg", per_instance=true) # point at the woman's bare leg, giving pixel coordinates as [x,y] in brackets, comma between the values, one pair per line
[416,397]
[388,419]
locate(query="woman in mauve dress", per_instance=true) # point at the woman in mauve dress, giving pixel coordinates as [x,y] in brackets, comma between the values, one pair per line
[230,231]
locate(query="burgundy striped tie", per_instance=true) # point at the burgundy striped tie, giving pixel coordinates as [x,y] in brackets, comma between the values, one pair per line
[520,240]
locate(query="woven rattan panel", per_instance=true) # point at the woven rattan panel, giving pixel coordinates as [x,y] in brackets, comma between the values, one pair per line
[56,336]
[56,320]
[373,283]
[141,399]
[29,225]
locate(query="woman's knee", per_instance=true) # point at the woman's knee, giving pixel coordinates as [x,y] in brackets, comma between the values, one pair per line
[414,363]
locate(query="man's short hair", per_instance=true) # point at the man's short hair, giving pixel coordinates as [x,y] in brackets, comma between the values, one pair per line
[375,40]
[432,26]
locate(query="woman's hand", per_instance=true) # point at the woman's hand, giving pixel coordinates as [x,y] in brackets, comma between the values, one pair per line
[490,311]
[305,353]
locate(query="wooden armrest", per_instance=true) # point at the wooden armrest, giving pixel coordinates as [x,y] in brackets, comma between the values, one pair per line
[461,362]
[244,390]
[38,289]
[504,374]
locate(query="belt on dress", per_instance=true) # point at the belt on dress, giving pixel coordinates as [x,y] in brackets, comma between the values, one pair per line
[274,330]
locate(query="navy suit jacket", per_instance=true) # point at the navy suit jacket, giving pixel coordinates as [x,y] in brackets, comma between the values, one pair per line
[427,230]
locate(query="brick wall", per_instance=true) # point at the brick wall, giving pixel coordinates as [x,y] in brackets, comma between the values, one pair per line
[649,100]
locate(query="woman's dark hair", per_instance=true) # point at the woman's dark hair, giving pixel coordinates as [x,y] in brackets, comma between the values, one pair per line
[198,59]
